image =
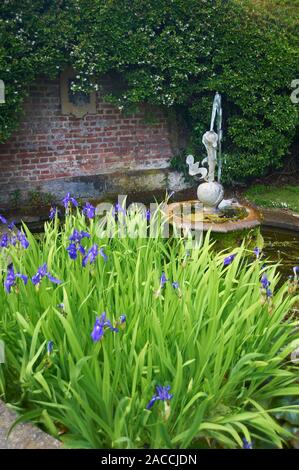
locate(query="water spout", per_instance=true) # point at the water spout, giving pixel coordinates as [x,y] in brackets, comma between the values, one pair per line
[217,116]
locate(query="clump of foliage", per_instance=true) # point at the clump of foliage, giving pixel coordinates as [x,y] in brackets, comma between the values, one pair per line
[173,53]
[37,198]
[282,12]
[214,331]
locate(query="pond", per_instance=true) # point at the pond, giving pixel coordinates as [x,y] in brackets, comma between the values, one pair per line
[282,246]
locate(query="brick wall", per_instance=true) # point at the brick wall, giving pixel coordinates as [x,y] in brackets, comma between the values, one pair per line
[51,146]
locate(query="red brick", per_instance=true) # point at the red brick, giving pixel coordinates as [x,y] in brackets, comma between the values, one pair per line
[49,145]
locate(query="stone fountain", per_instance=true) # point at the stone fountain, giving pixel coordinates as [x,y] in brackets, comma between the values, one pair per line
[211,211]
[210,192]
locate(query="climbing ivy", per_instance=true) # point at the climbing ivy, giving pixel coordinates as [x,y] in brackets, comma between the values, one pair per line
[174,53]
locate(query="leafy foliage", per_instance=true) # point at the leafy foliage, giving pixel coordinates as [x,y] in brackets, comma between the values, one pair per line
[283,12]
[172,53]
[223,351]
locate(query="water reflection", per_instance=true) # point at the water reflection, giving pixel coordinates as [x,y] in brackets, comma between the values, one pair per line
[282,246]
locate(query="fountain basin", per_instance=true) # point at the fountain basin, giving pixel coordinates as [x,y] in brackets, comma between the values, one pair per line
[241,218]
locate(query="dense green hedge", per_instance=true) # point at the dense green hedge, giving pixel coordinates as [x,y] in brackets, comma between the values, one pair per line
[170,52]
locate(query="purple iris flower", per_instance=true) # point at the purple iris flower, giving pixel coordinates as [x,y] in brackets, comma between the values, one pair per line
[53,279]
[50,345]
[163,280]
[81,249]
[10,280]
[77,236]
[72,250]
[175,285]
[257,252]
[3,220]
[53,212]
[69,200]
[84,234]
[89,210]
[75,246]
[90,255]
[103,254]
[228,260]
[269,293]
[23,277]
[43,272]
[36,279]
[148,215]
[246,444]
[11,225]
[122,321]
[110,326]
[162,393]
[99,327]
[4,240]
[265,281]
[13,239]
[296,270]
[117,208]
[23,240]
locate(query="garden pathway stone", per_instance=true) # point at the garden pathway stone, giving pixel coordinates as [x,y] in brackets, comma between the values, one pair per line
[24,436]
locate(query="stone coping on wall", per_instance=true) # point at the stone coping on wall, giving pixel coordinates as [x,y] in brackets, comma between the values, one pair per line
[24,435]
[100,186]
[279,218]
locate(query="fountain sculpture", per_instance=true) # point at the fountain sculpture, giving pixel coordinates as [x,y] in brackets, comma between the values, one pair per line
[212,211]
[210,193]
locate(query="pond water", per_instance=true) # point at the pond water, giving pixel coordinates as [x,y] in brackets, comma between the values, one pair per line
[281,246]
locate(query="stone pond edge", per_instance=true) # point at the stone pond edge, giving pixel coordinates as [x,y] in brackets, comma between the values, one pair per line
[24,435]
